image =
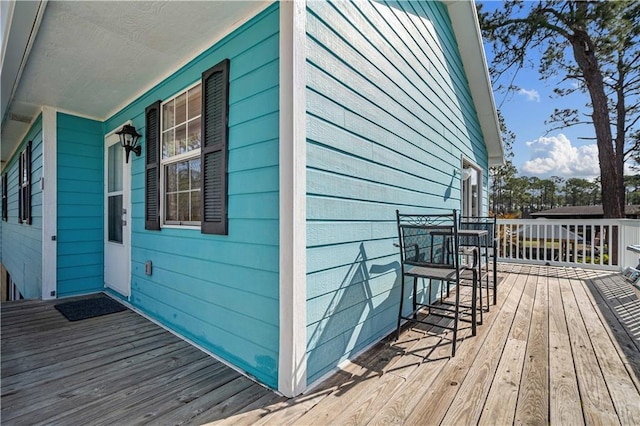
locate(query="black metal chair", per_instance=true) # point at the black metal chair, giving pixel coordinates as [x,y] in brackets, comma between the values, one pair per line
[488,248]
[429,249]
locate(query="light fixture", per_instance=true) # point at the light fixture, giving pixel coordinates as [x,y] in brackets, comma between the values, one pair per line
[466,173]
[129,140]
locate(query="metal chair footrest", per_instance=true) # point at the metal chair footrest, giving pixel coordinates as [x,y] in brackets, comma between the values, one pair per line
[422,321]
[442,306]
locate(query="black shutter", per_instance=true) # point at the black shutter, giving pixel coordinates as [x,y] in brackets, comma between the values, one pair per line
[24,185]
[5,214]
[152,167]
[27,188]
[20,192]
[213,157]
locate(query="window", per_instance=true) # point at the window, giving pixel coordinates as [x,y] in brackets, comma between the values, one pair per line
[5,214]
[180,158]
[471,190]
[186,140]
[24,185]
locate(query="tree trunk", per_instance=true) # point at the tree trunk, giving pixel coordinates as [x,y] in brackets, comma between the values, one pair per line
[621,111]
[583,51]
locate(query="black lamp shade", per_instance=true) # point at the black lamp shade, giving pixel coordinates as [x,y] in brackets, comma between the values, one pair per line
[129,140]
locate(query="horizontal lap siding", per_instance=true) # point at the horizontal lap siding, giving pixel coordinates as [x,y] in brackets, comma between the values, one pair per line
[80,205]
[389,115]
[22,243]
[222,291]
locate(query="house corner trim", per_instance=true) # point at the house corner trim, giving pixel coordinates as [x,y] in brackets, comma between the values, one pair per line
[292,359]
[49,202]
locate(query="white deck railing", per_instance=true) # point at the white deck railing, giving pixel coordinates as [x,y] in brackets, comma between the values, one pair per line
[589,243]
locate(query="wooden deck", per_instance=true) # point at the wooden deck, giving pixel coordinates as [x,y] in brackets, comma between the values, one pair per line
[562,346]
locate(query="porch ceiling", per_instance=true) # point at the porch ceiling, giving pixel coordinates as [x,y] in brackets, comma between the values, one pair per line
[93,57]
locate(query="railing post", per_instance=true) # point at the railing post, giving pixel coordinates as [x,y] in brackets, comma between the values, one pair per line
[613,245]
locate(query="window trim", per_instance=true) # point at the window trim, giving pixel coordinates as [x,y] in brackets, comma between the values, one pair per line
[189,155]
[467,163]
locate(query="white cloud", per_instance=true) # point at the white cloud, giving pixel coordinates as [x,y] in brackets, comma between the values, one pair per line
[556,156]
[532,95]
[631,167]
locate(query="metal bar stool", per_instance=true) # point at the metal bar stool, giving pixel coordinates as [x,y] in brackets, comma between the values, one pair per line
[488,248]
[429,249]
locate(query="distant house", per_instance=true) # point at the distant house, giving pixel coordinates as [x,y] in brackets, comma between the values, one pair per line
[277,141]
[584,212]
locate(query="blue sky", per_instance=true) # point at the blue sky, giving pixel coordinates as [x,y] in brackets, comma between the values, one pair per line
[538,150]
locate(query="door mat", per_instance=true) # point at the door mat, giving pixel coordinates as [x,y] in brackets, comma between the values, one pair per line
[89,308]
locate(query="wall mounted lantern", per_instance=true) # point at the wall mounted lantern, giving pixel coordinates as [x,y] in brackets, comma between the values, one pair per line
[466,173]
[129,140]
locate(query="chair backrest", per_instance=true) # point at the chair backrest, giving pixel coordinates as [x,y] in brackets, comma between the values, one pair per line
[479,223]
[428,239]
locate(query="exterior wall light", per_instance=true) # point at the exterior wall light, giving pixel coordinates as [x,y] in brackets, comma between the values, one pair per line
[466,173]
[129,140]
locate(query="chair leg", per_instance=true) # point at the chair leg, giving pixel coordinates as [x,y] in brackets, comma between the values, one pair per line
[455,320]
[401,306]
[495,276]
[488,285]
[474,304]
[429,294]
[415,297]
[477,280]
[486,266]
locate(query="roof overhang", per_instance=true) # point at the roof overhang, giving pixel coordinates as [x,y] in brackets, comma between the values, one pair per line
[465,24]
[20,22]
[54,53]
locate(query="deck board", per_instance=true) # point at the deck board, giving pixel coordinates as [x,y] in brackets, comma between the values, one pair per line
[390,372]
[562,346]
[533,398]
[83,388]
[71,399]
[621,336]
[564,397]
[622,390]
[29,360]
[161,395]
[426,348]
[436,402]
[476,386]
[594,395]
[34,349]
[500,402]
[232,405]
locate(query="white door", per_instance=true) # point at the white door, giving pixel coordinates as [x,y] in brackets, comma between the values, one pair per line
[117,214]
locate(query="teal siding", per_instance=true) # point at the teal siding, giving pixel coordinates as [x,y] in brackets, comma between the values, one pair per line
[222,291]
[389,115]
[22,243]
[80,157]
